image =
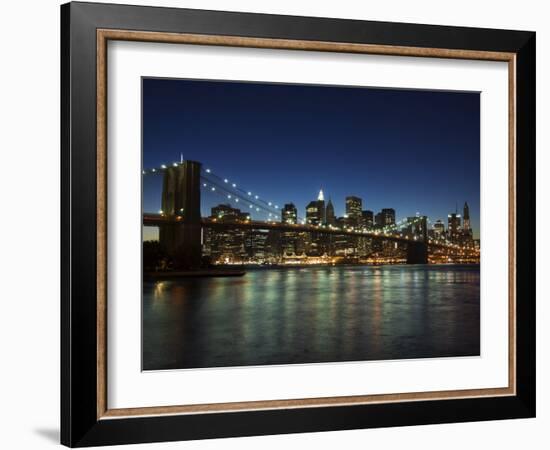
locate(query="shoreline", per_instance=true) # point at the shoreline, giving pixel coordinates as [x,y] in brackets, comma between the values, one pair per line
[202,273]
[348,265]
[241,270]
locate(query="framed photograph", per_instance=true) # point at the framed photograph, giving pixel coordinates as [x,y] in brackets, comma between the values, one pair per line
[276,224]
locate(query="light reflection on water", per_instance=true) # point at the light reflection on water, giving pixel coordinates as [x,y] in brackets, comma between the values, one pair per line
[315,314]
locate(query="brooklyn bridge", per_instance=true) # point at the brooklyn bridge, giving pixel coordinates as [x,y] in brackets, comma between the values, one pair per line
[181,225]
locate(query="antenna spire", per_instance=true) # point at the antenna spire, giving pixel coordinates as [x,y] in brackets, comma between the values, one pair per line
[181,158]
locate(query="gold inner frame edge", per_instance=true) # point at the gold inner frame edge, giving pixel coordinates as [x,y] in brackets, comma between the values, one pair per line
[103,36]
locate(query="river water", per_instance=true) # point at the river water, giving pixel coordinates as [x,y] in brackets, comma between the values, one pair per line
[313,314]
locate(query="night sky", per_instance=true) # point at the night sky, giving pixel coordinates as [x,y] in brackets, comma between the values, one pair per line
[411,150]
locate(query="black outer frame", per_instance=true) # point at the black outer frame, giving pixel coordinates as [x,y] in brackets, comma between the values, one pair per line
[79,423]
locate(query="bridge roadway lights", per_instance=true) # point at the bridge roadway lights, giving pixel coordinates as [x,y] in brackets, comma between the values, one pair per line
[181,197]
[417,253]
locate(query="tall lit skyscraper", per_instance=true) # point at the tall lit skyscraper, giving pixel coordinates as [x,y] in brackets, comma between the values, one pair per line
[467,234]
[439,228]
[255,245]
[315,210]
[289,213]
[385,218]
[354,208]
[289,239]
[316,215]
[466,217]
[453,226]
[227,245]
[321,207]
[379,219]
[368,218]
[388,215]
[313,213]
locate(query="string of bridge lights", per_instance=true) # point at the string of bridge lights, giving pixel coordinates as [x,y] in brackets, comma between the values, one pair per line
[252,205]
[253,200]
[250,196]
[246,194]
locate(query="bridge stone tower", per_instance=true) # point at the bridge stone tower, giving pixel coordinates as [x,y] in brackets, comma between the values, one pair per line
[181,202]
[417,251]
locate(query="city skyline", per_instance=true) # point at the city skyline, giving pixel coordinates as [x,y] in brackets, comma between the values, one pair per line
[462,213]
[416,177]
[206,210]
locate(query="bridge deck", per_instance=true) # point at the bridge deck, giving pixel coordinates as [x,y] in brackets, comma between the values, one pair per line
[158,219]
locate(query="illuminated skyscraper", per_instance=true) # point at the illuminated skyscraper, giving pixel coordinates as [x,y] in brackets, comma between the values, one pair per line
[379,219]
[439,228]
[255,245]
[354,209]
[316,215]
[466,217]
[227,245]
[388,215]
[368,218]
[385,218]
[289,239]
[467,235]
[453,226]
[289,214]
[313,215]
[315,210]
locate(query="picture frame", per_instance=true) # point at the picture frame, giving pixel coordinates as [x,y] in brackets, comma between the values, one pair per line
[86,418]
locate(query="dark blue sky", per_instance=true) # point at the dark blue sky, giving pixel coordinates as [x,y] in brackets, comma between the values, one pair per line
[411,150]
